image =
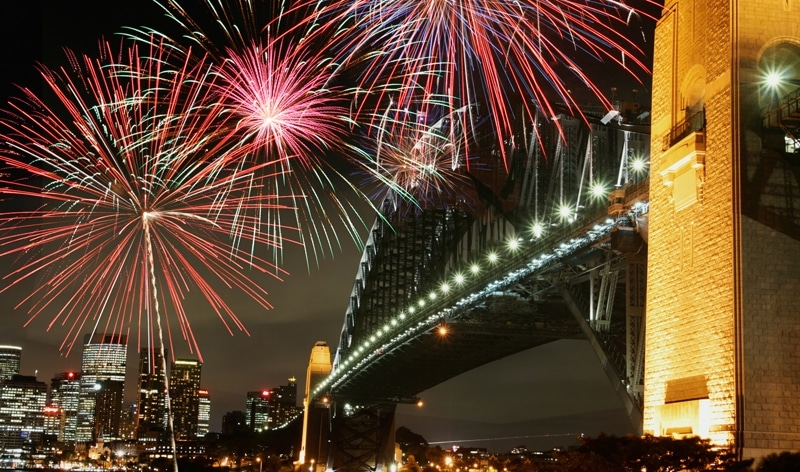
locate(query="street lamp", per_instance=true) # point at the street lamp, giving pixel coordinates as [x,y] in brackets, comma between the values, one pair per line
[260,464]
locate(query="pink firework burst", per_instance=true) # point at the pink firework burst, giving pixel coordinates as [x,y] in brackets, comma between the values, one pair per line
[276,89]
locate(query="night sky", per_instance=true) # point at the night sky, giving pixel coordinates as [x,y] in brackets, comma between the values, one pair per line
[540,398]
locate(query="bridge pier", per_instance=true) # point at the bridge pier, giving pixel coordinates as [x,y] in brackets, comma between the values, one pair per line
[364,439]
[723,287]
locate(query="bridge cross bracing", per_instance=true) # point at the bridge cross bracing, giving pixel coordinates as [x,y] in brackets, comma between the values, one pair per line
[499,285]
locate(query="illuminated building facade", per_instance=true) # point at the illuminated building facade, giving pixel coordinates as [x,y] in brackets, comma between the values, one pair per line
[151,416]
[184,393]
[203,413]
[65,390]
[22,403]
[257,410]
[315,417]
[10,358]
[724,226]
[284,404]
[109,396]
[104,359]
[53,421]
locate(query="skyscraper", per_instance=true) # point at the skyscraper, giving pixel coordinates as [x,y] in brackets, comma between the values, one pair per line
[103,361]
[203,413]
[22,402]
[284,404]
[184,393]
[108,409]
[10,357]
[151,408]
[65,389]
[257,410]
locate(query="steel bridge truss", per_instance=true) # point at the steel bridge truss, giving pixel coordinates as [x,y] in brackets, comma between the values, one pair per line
[584,280]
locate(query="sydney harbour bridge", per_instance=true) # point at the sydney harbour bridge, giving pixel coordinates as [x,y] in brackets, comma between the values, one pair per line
[554,248]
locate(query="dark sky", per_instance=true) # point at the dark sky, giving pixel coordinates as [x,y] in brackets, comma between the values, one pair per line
[538,398]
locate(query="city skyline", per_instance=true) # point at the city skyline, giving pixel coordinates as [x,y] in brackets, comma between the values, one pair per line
[309,307]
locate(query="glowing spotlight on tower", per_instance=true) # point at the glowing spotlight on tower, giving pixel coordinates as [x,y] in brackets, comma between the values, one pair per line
[773,79]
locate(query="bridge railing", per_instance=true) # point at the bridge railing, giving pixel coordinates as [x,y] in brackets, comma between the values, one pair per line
[696,122]
[533,255]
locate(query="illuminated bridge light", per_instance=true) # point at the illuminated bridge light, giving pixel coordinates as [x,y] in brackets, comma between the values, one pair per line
[421,302]
[638,164]
[402,315]
[537,229]
[386,328]
[445,288]
[474,268]
[411,310]
[492,257]
[459,279]
[394,321]
[599,190]
[513,244]
[564,211]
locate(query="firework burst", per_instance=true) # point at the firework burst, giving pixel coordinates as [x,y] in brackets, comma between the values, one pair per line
[411,155]
[139,198]
[502,59]
[277,92]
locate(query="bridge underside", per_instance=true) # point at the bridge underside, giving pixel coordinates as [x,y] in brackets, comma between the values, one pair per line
[503,325]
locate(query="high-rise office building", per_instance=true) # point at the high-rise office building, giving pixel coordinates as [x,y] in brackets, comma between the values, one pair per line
[108,409]
[184,393]
[151,416]
[127,424]
[53,421]
[103,365]
[10,357]
[257,410]
[22,402]
[65,389]
[203,413]
[284,404]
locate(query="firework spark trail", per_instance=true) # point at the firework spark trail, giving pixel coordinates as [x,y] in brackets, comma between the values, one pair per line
[278,91]
[501,55]
[412,156]
[134,180]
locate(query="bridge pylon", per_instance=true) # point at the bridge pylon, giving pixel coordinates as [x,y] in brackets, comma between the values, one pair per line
[723,289]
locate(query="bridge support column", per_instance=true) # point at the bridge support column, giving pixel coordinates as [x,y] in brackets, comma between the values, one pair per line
[723,289]
[618,383]
[363,440]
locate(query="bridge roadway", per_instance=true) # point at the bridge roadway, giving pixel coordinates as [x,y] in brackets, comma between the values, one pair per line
[510,305]
[440,292]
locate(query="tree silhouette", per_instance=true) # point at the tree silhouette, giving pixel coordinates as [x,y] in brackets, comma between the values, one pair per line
[646,453]
[783,462]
